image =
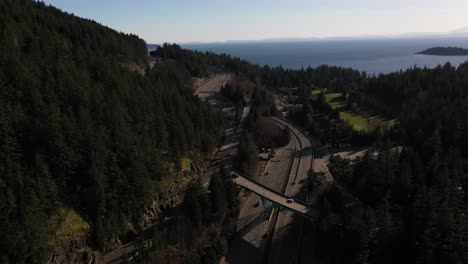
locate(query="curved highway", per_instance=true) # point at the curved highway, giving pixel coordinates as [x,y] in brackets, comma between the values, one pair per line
[282,245]
[248,246]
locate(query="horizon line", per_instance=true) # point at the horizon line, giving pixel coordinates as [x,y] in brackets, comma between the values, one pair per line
[463,32]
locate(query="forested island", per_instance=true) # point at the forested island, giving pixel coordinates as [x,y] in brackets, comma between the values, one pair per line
[445,51]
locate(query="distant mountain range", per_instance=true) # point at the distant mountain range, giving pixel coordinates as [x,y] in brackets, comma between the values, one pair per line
[461,32]
[151,47]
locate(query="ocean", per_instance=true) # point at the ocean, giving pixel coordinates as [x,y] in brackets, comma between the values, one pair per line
[372,56]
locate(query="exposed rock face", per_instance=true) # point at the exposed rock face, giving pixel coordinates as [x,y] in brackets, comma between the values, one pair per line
[73,247]
[70,235]
[74,252]
[171,195]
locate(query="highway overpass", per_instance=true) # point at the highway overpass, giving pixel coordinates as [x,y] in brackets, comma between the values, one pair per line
[275,197]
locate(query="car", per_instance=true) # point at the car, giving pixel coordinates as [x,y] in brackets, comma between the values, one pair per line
[234,176]
[256,204]
[290,200]
[266,173]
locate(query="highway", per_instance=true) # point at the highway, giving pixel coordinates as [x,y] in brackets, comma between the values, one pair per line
[283,247]
[290,165]
[228,150]
[210,92]
[288,243]
[248,245]
[213,86]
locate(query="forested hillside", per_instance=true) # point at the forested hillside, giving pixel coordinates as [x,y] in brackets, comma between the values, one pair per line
[425,101]
[85,143]
[201,64]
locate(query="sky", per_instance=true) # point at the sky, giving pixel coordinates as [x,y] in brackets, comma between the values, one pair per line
[182,21]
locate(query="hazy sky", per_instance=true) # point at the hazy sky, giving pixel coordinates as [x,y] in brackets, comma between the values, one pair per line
[179,21]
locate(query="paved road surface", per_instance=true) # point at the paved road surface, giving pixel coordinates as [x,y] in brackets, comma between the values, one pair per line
[213,86]
[210,92]
[228,150]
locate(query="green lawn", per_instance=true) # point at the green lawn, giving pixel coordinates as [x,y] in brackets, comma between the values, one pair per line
[358,122]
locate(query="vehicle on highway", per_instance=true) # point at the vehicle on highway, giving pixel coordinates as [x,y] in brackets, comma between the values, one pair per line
[290,200]
[257,204]
[234,175]
[317,182]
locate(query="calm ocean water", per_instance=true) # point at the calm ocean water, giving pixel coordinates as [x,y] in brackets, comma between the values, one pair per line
[372,56]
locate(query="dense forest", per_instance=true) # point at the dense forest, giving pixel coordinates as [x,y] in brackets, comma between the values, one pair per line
[89,134]
[396,208]
[418,197]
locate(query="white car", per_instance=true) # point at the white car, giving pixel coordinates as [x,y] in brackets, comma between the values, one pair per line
[290,200]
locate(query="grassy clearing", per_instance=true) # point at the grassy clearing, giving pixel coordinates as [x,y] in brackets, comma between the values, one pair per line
[358,122]
[319,91]
[316,92]
[379,121]
[335,100]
